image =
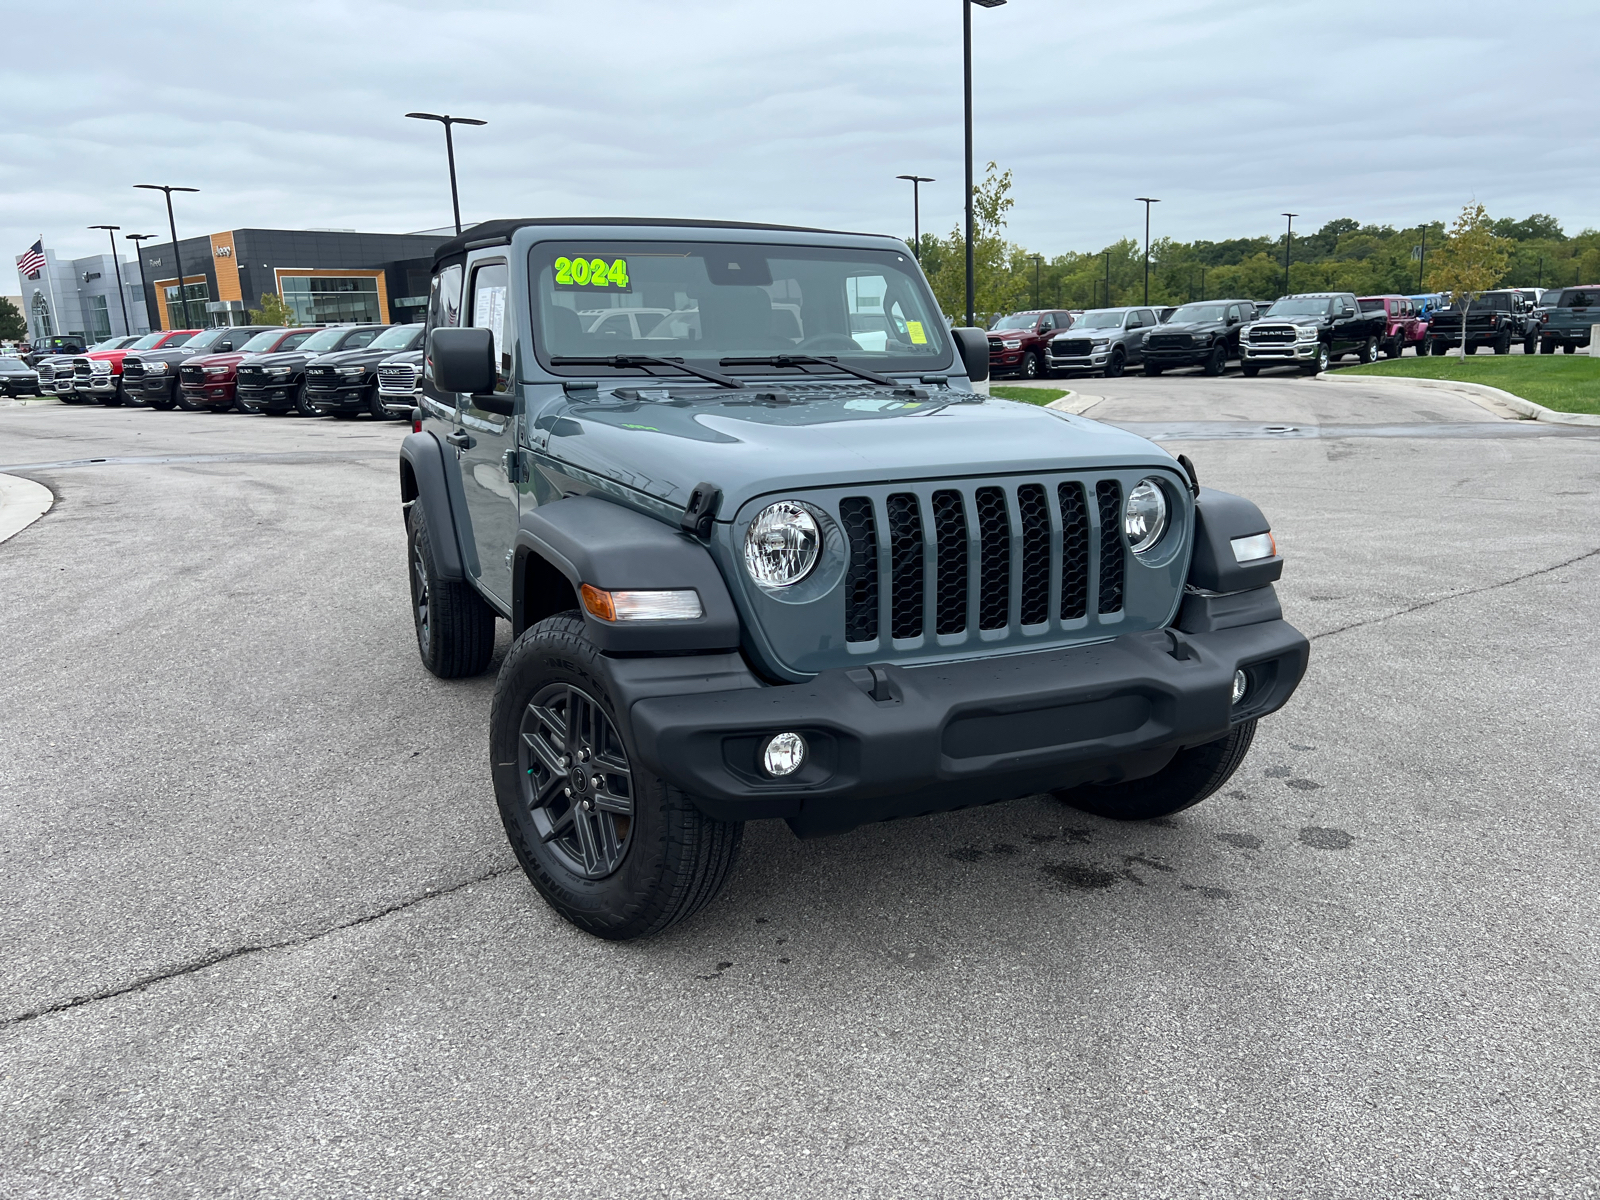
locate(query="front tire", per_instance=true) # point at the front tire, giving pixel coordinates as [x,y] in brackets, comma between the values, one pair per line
[1218,362]
[455,627]
[1369,351]
[375,405]
[1114,368]
[1031,369]
[302,403]
[1150,368]
[1249,369]
[612,848]
[1320,364]
[1190,777]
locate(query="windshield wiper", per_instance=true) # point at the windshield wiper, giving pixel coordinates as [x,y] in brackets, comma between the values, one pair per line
[799,360]
[641,361]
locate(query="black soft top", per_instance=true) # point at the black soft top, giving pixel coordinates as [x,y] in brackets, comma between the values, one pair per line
[490,232]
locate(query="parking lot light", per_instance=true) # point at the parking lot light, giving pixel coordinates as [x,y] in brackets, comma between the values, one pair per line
[916,212]
[966,83]
[177,257]
[1148,201]
[447,121]
[122,296]
[1288,243]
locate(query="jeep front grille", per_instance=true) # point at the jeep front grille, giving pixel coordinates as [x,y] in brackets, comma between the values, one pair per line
[397,379]
[1010,538]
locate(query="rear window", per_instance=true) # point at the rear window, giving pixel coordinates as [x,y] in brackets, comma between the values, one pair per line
[1371,305]
[1580,298]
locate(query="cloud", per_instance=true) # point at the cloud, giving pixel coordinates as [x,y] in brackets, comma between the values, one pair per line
[800,113]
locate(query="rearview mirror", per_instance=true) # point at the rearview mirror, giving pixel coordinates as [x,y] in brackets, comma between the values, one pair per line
[462,360]
[974,347]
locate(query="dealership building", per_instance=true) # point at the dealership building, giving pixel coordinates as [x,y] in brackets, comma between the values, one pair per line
[324,276]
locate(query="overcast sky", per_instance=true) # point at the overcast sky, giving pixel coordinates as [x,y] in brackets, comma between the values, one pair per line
[289,115]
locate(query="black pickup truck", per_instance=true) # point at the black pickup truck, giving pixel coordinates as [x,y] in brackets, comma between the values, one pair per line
[1493,319]
[1565,317]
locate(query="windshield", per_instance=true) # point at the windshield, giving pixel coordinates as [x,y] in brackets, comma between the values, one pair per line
[204,341]
[871,308]
[13,366]
[1101,318]
[1017,321]
[262,341]
[1197,313]
[1299,306]
[399,337]
[325,339]
[147,341]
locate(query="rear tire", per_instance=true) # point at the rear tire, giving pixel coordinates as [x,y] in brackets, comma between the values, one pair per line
[618,852]
[1190,777]
[455,627]
[1470,348]
[1503,344]
[1369,351]
[1569,348]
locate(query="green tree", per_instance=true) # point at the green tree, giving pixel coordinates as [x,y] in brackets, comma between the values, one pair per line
[1471,261]
[13,326]
[273,311]
[1000,285]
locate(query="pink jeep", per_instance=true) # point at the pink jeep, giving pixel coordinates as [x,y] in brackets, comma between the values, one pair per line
[1404,329]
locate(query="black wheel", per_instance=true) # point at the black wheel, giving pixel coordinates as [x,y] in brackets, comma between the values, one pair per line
[1471,348]
[186,404]
[1369,351]
[455,627]
[375,405]
[241,406]
[1218,362]
[1502,344]
[1031,368]
[302,403]
[1150,368]
[1190,777]
[1530,345]
[1320,364]
[1113,369]
[1569,347]
[1394,347]
[161,404]
[610,846]
[1249,369]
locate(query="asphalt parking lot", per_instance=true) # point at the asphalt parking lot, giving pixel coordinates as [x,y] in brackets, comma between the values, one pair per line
[261,935]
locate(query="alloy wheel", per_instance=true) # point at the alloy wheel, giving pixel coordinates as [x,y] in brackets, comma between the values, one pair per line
[577,782]
[419,595]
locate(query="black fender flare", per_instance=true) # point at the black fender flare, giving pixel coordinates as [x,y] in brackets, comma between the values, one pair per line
[1219,517]
[587,540]
[422,482]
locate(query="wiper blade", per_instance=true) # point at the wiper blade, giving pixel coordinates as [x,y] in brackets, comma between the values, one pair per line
[641,361]
[799,360]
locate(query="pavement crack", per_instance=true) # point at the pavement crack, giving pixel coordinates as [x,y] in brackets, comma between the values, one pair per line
[1488,587]
[221,956]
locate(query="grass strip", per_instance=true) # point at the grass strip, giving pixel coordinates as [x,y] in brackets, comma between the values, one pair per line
[1028,395]
[1566,382]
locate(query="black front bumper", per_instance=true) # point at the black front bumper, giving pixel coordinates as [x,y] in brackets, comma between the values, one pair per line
[346,398]
[157,387]
[273,396]
[945,737]
[1196,356]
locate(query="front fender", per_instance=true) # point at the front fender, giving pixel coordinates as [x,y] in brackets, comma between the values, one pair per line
[422,482]
[589,540]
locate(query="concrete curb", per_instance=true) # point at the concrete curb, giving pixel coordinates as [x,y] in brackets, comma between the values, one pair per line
[22,502]
[1075,403]
[1479,392]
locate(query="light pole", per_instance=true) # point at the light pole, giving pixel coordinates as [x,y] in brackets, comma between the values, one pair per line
[966,87]
[916,212]
[116,266]
[1037,259]
[1202,283]
[1288,241]
[183,292]
[138,257]
[1422,258]
[450,150]
[1108,279]
[1148,201]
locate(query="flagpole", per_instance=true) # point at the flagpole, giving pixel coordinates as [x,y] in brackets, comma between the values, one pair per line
[55,307]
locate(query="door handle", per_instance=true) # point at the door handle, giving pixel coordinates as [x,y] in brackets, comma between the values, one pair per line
[460,439]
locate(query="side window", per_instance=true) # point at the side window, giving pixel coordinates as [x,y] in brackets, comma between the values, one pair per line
[1130,320]
[444,299]
[1233,312]
[489,312]
[360,339]
[1147,318]
[1047,323]
[293,340]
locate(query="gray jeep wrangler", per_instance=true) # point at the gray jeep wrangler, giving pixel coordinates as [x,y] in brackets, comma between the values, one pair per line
[766,553]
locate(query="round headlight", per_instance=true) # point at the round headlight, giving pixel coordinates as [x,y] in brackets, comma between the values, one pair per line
[782,544]
[1144,516]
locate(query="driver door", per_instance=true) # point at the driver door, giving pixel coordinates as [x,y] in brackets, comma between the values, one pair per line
[485,441]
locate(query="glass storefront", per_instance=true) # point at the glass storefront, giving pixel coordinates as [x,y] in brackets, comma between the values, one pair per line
[99,319]
[332,299]
[197,294]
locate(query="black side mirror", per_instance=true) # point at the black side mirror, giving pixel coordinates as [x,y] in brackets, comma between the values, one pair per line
[462,360]
[974,347]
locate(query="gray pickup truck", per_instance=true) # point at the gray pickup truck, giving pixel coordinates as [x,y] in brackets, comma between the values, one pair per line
[782,561]
[1565,318]
[1103,340]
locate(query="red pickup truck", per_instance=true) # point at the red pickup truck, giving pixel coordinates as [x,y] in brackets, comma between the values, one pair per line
[97,375]
[1017,341]
[1405,327]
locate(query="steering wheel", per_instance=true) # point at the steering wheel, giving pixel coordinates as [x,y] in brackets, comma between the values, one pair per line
[822,343]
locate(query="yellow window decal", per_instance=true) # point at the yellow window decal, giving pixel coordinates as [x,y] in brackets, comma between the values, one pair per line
[918,337]
[586,273]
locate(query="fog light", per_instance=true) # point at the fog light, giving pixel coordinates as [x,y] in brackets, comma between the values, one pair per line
[1241,685]
[784,754]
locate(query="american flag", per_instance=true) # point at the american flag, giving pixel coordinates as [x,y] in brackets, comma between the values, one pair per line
[31,263]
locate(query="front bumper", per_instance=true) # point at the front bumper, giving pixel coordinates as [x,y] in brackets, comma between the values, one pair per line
[214,395]
[158,387]
[948,736]
[347,397]
[1287,352]
[400,404]
[98,385]
[274,395]
[1079,362]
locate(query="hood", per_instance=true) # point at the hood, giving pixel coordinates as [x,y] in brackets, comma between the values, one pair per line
[282,358]
[1190,327]
[227,358]
[413,357]
[1302,320]
[170,354]
[784,436]
[364,357]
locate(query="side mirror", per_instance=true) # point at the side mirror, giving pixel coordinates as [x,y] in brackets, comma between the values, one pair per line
[462,360]
[973,345]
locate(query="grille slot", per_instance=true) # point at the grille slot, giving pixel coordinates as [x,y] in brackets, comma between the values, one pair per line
[861,578]
[132,369]
[1034,511]
[1074,552]
[191,374]
[994,559]
[1109,494]
[950,525]
[905,566]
